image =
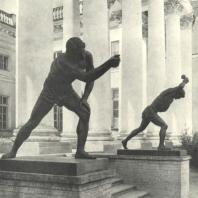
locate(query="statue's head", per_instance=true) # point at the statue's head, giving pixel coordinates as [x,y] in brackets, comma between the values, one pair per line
[75,46]
[179,94]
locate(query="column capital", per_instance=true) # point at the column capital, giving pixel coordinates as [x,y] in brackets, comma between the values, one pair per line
[173,6]
[186,21]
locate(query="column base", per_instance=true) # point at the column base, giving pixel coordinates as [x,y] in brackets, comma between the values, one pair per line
[43,141]
[112,147]
[44,148]
[96,139]
[70,138]
[5,145]
[134,143]
[100,135]
[41,134]
[146,145]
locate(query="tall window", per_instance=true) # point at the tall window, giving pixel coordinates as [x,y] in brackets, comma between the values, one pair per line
[58,111]
[58,117]
[3,62]
[115,97]
[3,112]
[115,48]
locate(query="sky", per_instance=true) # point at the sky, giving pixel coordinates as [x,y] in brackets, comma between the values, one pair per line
[8,6]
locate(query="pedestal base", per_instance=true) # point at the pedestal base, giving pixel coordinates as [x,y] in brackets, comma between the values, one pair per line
[55,177]
[165,174]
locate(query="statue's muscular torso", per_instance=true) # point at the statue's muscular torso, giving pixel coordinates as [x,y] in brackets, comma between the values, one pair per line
[62,73]
[164,100]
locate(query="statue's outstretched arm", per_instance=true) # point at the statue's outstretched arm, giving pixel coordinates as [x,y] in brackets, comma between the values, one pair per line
[97,72]
[180,86]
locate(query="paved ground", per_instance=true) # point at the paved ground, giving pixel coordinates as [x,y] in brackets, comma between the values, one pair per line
[194,183]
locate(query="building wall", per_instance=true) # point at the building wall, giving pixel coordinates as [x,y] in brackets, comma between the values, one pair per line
[7,78]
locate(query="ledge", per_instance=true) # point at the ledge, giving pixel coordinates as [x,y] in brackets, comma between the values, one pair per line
[53,165]
[149,155]
[152,152]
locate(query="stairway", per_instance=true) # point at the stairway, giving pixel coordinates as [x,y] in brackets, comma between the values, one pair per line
[121,190]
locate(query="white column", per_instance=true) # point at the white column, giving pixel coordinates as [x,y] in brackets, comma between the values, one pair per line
[132,86]
[186,54]
[156,53]
[34,56]
[71,28]
[96,37]
[173,63]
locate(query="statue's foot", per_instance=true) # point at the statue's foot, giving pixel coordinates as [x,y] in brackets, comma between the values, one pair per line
[124,144]
[83,155]
[163,148]
[8,155]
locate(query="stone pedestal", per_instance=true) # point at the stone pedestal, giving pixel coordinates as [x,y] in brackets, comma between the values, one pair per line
[164,173]
[51,177]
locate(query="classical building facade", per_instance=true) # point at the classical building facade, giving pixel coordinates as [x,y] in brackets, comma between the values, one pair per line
[7,72]
[157,43]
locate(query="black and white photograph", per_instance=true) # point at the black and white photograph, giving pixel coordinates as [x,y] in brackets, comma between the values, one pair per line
[98,98]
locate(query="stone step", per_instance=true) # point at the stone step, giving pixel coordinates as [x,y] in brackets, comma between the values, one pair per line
[133,194]
[116,181]
[121,188]
[56,165]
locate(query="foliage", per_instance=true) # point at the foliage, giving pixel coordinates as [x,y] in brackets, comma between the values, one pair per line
[191,145]
[186,141]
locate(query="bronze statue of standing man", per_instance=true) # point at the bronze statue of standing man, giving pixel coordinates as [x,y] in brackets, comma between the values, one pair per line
[75,63]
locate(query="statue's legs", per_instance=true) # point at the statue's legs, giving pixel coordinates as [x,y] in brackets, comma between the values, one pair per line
[72,102]
[41,108]
[157,120]
[141,128]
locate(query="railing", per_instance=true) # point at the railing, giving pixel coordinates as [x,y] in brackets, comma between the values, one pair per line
[58,13]
[9,19]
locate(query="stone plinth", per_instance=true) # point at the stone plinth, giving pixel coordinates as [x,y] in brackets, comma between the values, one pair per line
[60,177]
[55,165]
[164,174]
[153,152]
